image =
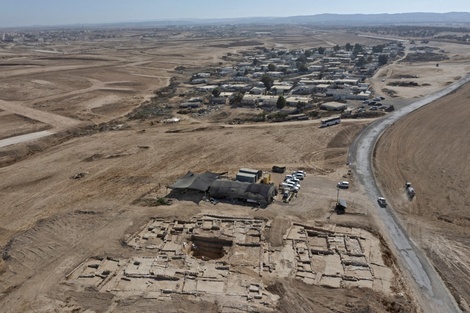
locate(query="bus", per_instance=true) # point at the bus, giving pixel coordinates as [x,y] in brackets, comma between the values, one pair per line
[330,121]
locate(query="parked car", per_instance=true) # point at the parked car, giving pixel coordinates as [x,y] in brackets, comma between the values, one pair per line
[289,186]
[382,202]
[301,172]
[292,183]
[292,178]
[298,175]
[374,108]
[343,185]
[382,98]
[372,102]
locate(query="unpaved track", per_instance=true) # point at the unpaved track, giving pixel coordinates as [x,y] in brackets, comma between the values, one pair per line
[432,293]
[58,122]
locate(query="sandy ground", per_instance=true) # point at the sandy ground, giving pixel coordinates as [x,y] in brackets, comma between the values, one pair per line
[50,223]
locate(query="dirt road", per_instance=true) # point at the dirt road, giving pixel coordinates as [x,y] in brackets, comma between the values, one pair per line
[434,295]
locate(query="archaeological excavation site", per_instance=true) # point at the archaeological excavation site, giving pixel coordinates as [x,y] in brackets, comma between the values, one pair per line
[228,260]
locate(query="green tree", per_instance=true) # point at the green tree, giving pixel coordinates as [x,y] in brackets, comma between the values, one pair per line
[267,81]
[336,48]
[271,67]
[348,46]
[301,106]
[237,98]
[360,62]
[302,67]
[378,48]
[308,53]
[302,59]
[321,50]
[216,92]
[357,49]
[383,59]
[281,102]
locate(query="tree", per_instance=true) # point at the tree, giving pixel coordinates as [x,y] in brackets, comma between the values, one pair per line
[357,49]
[267,81]
[321,50]
[383,59]
[237,98]
[302,67]
[255,62]
[360,62]
[348,46]
[378,48]
[336,48]
[302,59]
[301,106]
[271,67]
[216,92]
[308,53]
[281,102]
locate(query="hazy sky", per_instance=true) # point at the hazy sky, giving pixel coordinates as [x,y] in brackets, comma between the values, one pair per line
[53,12]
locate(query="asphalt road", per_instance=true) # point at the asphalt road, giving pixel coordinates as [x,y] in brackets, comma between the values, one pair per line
[435,297]
[23,138]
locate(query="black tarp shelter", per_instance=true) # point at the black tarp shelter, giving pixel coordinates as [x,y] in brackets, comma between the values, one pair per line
[259,193]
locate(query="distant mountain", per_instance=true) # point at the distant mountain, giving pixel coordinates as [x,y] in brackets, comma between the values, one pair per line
[383,19]
[327,20]
[452,18]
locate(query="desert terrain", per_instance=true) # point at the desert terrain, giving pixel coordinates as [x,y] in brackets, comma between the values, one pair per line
[53,225]
[437,217]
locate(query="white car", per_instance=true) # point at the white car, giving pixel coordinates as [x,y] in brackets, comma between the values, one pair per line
[290,186]
[298,175]
[288,181]
[301,172]
[343,185]
[292,178]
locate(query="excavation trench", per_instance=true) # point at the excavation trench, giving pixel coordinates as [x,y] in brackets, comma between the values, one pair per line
[206,248]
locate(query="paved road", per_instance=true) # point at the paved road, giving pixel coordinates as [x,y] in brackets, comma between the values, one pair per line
[434,294]
[23,138]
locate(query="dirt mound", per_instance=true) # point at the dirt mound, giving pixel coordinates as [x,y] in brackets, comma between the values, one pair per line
[29,252]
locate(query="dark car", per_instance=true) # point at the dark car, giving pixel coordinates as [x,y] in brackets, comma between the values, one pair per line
[382,202]
[343,185]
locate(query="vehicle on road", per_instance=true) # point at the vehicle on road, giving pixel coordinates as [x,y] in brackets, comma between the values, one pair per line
[343,185]
[382,202]
[330,121]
